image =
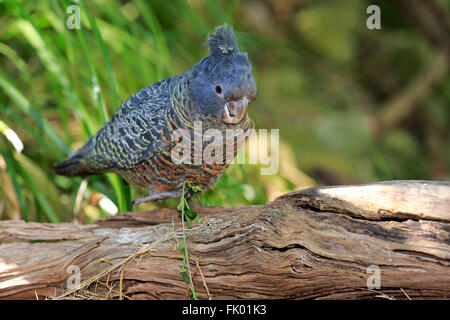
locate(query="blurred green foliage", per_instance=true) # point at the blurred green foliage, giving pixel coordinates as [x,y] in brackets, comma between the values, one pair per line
[322,76]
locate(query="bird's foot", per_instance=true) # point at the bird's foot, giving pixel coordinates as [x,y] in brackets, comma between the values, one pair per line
[156,197]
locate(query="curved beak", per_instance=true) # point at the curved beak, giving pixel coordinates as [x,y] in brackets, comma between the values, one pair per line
[234,111]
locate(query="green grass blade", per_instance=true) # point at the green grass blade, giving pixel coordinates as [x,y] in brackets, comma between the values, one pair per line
[107,57]
[40,198]
[118,187]
[158,35]
[17,97]
[10,166]
[18,120]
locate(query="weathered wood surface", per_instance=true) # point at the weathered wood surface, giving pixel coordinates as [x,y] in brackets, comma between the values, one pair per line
[314,243]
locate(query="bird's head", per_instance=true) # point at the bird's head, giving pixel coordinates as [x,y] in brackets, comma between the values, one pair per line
[222,84]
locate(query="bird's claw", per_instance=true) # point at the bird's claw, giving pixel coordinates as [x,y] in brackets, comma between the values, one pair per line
[158,197]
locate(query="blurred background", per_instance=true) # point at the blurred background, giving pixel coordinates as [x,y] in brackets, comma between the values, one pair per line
[353,105]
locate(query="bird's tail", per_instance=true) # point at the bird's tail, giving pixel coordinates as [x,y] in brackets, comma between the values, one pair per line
[73,166]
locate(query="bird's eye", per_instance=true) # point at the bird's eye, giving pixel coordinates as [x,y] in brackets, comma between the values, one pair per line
[219,89]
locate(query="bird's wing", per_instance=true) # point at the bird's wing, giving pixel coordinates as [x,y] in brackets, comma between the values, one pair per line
[134,133]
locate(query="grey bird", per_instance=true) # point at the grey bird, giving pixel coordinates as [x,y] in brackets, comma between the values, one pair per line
[136,143]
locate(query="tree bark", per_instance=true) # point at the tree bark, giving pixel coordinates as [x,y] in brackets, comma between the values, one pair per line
[319,243]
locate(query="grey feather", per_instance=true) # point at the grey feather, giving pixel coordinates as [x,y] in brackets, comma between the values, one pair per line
[134,132]
[222,42]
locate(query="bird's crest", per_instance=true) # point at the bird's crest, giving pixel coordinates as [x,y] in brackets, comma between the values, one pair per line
[222,42]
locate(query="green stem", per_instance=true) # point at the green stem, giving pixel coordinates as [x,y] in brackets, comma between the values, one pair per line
[186,253]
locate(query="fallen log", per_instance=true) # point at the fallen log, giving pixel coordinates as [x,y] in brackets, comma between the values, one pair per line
[381,240]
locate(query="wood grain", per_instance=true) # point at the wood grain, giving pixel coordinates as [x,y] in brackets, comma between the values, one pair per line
[310,244]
